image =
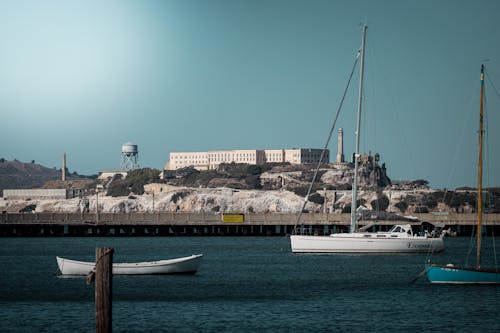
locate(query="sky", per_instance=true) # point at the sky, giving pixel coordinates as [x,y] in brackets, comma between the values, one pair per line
[84,77]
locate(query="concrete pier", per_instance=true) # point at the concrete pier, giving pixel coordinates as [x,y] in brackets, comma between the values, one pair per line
[182,224]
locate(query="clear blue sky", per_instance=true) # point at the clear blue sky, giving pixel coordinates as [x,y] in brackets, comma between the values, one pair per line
[84,77]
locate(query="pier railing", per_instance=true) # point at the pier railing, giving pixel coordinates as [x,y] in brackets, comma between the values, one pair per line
[166,218]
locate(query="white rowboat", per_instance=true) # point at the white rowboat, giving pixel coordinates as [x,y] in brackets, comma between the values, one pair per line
[184,265]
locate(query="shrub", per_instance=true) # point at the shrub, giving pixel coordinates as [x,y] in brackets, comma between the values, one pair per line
[402,206]
[179,196]
[421,209]
[317,198]
[134,182]
[380,204]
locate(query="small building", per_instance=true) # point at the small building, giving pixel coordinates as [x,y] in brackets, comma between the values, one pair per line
[42,194]
[105,174]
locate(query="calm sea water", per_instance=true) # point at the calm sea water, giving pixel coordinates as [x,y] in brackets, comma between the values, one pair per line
[245,284]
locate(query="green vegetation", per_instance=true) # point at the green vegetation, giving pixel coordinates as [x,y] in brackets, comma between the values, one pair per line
[380,204]
[402,206]
[421,210]
[317,198]
[232,175]
[134,182]
[457,199]
[179,196]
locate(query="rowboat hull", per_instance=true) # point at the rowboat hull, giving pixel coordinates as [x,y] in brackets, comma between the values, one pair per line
[449,274]
[184,265]
[364,243]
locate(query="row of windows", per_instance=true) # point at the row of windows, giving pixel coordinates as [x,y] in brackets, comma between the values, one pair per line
[226,155]
[247,160]
[174,157]
[317,156]
[250,158]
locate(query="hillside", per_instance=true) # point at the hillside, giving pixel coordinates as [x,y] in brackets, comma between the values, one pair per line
[16,174]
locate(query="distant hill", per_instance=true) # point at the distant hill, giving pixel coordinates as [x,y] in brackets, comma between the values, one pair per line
[16,174]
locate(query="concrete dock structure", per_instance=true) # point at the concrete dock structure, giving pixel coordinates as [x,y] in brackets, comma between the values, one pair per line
[183,224]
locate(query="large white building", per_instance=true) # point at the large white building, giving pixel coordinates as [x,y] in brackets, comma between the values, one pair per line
[211,159]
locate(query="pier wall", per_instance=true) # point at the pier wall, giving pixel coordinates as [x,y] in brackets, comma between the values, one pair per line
[203,219]
[184,224]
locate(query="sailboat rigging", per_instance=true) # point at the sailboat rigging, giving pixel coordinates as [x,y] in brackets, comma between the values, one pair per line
[400,239]
[451,274]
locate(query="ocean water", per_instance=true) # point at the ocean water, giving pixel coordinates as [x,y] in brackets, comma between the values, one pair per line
[245,284]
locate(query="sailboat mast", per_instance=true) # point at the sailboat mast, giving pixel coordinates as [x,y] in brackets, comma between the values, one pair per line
[480,171]
[358,123]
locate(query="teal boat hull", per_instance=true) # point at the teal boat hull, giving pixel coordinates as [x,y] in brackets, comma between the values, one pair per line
[461,275]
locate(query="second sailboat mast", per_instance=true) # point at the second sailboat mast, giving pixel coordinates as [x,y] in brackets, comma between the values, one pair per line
[358,123]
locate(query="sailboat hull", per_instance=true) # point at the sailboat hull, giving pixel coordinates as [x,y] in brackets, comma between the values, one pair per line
[448,274]
[364,243]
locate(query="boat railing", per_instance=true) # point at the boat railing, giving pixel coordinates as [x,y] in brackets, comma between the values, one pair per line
[312,231]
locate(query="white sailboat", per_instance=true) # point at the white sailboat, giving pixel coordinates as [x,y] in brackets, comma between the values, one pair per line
[400,239]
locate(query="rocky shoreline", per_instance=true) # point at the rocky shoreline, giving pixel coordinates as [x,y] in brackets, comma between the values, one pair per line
[224,200]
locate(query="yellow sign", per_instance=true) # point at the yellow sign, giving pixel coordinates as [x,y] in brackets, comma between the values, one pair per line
[233,218]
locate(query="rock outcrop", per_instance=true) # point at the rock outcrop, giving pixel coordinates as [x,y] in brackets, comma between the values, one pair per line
[226,200]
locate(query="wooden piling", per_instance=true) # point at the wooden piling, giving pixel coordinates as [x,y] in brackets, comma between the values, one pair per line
[103,289]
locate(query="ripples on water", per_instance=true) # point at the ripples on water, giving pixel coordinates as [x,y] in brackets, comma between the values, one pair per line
[245,284]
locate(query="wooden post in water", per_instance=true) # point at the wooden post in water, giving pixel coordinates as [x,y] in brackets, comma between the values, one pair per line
[103,289]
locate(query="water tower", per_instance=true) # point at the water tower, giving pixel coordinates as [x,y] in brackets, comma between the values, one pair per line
[130,156]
